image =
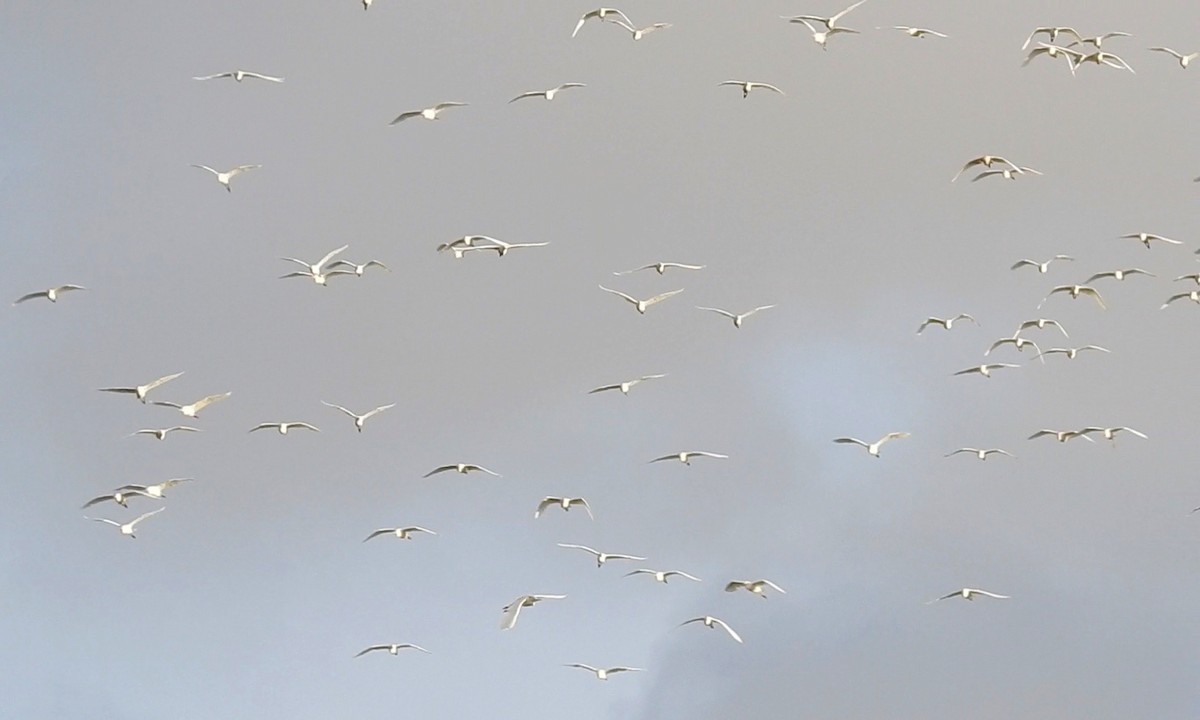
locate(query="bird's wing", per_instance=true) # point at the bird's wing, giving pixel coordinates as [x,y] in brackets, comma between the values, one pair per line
[986,173]
[339,407]
[205,402]
[96,501]
[619,293]
[726,82]
[833,20]
[305,425]
[772,585]
[373,647]
[173,482]
[1040,433]
[671,456]
[545,503]
[205,167]
[164,403]
[1021,263]
[242,168]
[532,93]
[511,612]
[377,533]
[961,450]
[1135,432]
[1093,293]
[769,86]
[405,116]
[260,76]
[117,390]
[1168,50]
[329,255]
[701,453]
[162,381]
[143,516]
[1002,452]
[440,469]
[214,76]
[893,436]
[264,426]
[602,388]
[968,371]
[379,409]
[483,469]
[418,528]
[681,573]
[758,309]
[618,669]
[444,105]
[663,296]
[583,666]
[1095,347]
[991,594]
[584,503]
[104,520]
[728,629]
[1032,35]
[735,585]
[30,296]
[580,547]
[718,311]
[1097,276]
[851,440]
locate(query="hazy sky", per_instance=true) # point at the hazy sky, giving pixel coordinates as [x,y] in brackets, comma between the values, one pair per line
[250,595]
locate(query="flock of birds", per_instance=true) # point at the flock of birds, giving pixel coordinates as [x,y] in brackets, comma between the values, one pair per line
[1079,51]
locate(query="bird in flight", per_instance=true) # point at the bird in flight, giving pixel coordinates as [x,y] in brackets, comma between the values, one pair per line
[604,14]
[359,269]
[429,113]
[603,673]
[1184,60]
[642,305]
[1072,352]
[873,448]
[661,267]
[984,160]
[830,22]
[1042,267]
[981,454]
[501,248]
[985,369]
[1006,173]
[359,419]
[625,387]
[1194,296]
[639,33]
[1119,274]
[747,86]
[563,502]
[404,533]
[157,490]
[1052,32]
[513,610]
[1075,291]
[394,649]
[1104,58]
[241,75]
[1111,433]
[1041,324]
[1098,40]
[130,527]
[820,37]
[120,496]
[1146,238]
[946,323]
[547,94]
[193,409]
[737,319]
[50,294]
[141,391]
[321,278]
[686,456]
[161,433]
[1061,435]
[1018,342]
[711,622]
[463,468]
[753,586]
[1073,56]
[315,268]
[284,427]
[662,575]
[601,557]
[918,32]
[225,177]
[968,594]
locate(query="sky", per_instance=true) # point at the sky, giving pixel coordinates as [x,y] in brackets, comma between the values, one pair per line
[250,595]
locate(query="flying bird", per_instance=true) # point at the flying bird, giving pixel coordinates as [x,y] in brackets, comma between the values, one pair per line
[980,453]
[1184,60]
[283,427]
[321,278]
[625,387]
[661,267]
[1104,58]
[404,533]
[513,610]
[359,269]
[686,456]
[120,496]
[603,673]
[225,177]
[429,113]
[563,502]
[1072,352]
[737,319]
[830,22]
[1098,40]
[946,323]
[601,557]
[1076,291]
[711,622]
[984,160]
[1041,324]
[1053,32]
[1194,296]
[820,37]
[1073,56]
[359,419]
[464,243]
[968,594]
[157,490]
[141,391]
[1018,342]
[1194,277]
[661,575]
[314,269]
[161,433]
[603,14]
[547,94]
[463,468]
[1006,173]
[873,448]
[747,86]
[1111,432]
[50,294]
[1119,274]
[394,649]
[193,409]
[129,527]
[501,248]
[1060,435]
[917,32]
[753,586]
[241,75]
[1147,238]
[985,369]
[1042,267]
[639,33]
[642,305]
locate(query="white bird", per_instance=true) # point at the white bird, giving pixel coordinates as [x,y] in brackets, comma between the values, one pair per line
[1111,433]
[50,294]
[1060,435]
[829,22]
[283,427]
[463,468]
[642,305]
[501,248]
[404,533]
[394,649]
[129,527]
[1006,173]
[315,268]
[429,113]
[603,673]
[686,456]
[1194,277]
[984,160]
[980,453]
[563,502]
[601,557]
[141,391]
[1053,32]
[359,419]
[1183,59]
[711,622]
[193,409]
[161,433]
[225,177]
[120,496]
[1042,267]
[625,387]
[873,448]
[1073,56]
[1041,324]
[1072,352]
[985,369]
[321,278]
[662,575]
[918,32]
[1104,58]
[241,75]
[820,37]
[157,490]
[602,14]
[513,610]
[639,33]
[747,86]
[946,323]
[968,594]
[753,586]
[547,94]
[1147,238]
[1194,296]
[1075,291]
[463,243]
[1098,40]
[661,267]
[1018,342]
[359,269]
[737,319]
[1119,274]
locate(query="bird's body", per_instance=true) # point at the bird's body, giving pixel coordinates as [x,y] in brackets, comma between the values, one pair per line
[601,557]
[736,318]
[873,448]
[194,409]
[686,456]
[140,391]
[1104,58]
[712,622]
[754,587]
[240,75]
[463,468]
[627,385]
[1016,341]
[563,502]
[547,94]
[429,113]
[642,305]
[50,294]
[284,427]
[359,419]
[130,527]
[821,37]
[513,610]
[985,369]
[979,452]
[747,86]
[226,176]
[403,533]
[662,575]
[946,323]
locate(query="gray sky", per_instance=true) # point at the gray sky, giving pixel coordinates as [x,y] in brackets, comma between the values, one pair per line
[250,595]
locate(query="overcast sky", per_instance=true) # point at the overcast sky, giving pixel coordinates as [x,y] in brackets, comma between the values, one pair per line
[250,595]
